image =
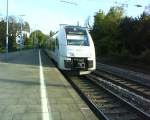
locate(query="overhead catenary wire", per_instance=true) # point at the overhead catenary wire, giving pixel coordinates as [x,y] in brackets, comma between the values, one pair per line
[73,3]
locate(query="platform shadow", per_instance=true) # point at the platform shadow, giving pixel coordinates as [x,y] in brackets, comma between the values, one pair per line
[27,57]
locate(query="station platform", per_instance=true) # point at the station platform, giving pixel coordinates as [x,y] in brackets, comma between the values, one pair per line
[22,95]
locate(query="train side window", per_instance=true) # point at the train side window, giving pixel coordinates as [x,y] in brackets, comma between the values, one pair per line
[57,43]
[53,44]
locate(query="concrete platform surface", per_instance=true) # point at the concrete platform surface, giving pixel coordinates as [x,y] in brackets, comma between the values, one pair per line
[20,90]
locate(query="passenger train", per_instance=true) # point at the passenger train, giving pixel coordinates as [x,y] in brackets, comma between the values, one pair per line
[72,49]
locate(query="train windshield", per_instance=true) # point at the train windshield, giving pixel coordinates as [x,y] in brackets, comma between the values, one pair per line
[77,36]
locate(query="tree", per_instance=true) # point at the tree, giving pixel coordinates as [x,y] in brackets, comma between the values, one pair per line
[105,30]
[51,33]
[26,26]
[38,39]
[13,29]
[135,34]
[2,35]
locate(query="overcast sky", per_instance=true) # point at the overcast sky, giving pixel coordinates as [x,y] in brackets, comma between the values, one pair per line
[46,15]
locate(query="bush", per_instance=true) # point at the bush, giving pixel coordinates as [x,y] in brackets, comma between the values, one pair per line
[145,57]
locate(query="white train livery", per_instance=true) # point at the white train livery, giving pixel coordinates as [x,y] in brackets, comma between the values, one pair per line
[72,49]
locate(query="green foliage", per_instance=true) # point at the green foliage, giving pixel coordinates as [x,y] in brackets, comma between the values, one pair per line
[38,39]
[115,34]
[28,42]
[51,33]
[105,30]
[2,35]
[145,56]
[135,34]
[26,27]
[13,29]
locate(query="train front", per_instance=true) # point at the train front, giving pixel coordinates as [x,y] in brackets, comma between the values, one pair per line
[80,50]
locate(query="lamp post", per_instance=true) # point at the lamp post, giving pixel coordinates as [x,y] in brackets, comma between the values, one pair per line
[7,31]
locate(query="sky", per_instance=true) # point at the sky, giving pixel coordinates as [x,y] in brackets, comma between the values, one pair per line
[46,15]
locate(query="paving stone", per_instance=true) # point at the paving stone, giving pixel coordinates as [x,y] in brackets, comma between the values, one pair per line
[6,116]
[56,116]
[16,109]
[20,97]
[27,116]
[72,116]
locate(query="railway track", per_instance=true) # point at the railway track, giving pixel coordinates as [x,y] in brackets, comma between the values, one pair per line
[138,77]
[136,87]
[106,104]
[138,101]
[132,86]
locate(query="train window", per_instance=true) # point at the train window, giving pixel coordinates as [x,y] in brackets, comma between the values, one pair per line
[57,43]
[75,31]
[53,44]
[76,36]
[79,40]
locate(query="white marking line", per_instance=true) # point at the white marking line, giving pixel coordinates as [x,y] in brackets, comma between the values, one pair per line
[85,108]
[46,110]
